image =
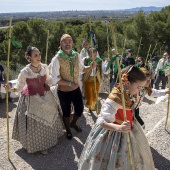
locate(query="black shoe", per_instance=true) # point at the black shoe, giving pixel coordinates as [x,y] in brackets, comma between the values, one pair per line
[69,135]
[77,128]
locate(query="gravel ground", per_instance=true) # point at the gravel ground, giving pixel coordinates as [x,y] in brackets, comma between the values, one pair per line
[66,153]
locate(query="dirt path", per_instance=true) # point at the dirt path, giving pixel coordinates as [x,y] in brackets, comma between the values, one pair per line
[66,153]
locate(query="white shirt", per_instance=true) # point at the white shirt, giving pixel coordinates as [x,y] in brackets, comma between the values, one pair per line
[83,53]
[104,65]
[55,69]
[161,64]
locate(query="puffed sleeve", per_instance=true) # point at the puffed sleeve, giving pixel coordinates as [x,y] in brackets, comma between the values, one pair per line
[158,93]
[55,71]
[81,64]
[48,78]
[21,81]
[108,111]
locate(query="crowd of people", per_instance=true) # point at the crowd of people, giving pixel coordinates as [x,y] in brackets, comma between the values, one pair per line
[49,96]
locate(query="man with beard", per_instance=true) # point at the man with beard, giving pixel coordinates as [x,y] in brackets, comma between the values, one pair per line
[65,69]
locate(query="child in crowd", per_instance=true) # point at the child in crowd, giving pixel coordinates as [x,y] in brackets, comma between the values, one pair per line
[106,146]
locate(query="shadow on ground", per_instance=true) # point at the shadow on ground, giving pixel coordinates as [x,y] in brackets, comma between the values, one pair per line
[65,154]
[11,105]
[160,162]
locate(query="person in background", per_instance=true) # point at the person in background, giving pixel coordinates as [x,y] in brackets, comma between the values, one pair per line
[152,66]
[91,95]
[140,62]
[2,80]
[38,121]
[113,76]
[84,51]
[160,73]
[129,59]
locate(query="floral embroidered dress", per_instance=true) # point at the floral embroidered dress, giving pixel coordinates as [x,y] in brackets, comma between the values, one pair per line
[108,150]
[38,123]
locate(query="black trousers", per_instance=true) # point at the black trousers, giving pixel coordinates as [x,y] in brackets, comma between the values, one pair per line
[67,98]
[139,119]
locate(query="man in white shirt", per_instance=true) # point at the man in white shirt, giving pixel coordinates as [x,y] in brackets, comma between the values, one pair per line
[159,72]
[65,69]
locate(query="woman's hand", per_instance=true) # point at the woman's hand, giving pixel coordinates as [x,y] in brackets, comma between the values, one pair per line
[167,91]
[125,127]
[8,88]
[93,64]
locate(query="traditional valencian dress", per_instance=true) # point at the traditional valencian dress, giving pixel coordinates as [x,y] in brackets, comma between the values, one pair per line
[106,149]
[88,79]
[38,123]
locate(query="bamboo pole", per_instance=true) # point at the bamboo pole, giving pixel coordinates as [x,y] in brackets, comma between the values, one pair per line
[124,44]
[148,54]
[91,44]
[46,55]
[154,49]
[167,115]
[139,47]
[122,96]
[108,50]
[7,80]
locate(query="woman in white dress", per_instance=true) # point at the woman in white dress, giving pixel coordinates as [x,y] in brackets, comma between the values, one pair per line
[38,123]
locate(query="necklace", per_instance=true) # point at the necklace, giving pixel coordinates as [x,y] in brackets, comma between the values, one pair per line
[34,66]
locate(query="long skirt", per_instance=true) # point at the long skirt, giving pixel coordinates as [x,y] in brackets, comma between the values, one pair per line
[34,135]
[90,93]
[108,150]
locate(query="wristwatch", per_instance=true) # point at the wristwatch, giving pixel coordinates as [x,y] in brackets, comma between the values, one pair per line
[69,84]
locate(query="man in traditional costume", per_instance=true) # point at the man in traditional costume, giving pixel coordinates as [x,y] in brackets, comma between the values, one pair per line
[65,69]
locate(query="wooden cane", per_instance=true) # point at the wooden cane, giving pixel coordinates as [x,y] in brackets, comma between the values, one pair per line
[167,115]
[108,49]
[122,96]
[7,80]
[148,54]
[46,55]
[139,47]
[91,44]
[153,50]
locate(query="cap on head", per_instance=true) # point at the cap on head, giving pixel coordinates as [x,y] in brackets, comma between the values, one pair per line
[64,36]
[154,58]
[113,50]
[128,51]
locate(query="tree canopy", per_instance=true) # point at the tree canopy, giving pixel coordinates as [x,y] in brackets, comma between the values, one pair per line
[153,28]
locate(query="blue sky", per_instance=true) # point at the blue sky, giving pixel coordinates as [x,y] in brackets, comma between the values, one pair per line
[64,5]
